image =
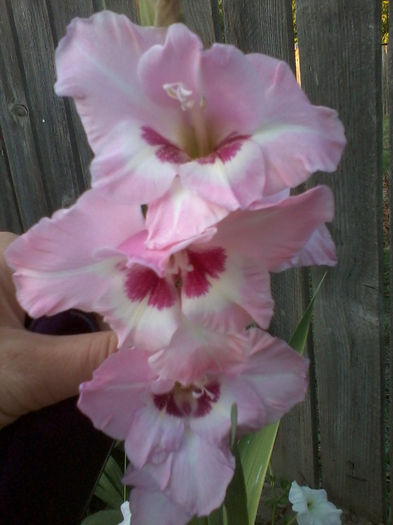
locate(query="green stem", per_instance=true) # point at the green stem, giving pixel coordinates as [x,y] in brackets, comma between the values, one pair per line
[292,520]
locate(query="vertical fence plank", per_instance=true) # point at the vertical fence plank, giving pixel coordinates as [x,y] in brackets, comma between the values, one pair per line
[389,89]
[49,123]
[9,215]
[60,16]
[266,26]
[340,59]
[19,143]
[124,7]
[199,16]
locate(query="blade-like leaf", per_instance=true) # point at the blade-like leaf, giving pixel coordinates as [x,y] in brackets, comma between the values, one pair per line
[299,337]
[109,488]
[104,517]
[198,521]
[256,449]
[233,424]
[216,517]
[236,497]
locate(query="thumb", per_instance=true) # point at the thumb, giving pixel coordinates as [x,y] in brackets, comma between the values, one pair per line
[63,362]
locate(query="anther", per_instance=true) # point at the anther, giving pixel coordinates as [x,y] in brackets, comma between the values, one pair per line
[179,92]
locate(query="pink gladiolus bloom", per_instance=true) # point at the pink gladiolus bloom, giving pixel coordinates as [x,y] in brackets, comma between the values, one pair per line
[166,118]
[93,257]
[178,434]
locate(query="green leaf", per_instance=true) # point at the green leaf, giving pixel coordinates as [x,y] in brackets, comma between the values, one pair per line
[256,449]
[255,452]
[104,517]
[299,337]
[146,11]
[198,521]
[109,488]
[216,517]
[233,424]
[235,504]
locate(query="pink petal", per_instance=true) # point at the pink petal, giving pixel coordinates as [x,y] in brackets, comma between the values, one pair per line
[152,507]
[194,351]
[232,91]
[174,61]
[319,249]
[56,262]
[97,64]
[277,374]
[178,215]
[118,389]
[296,138]
[133,168]
[264,387]
[230,180]
[164,435]
[200,474]
[276,233]
[232,299]
[137,301]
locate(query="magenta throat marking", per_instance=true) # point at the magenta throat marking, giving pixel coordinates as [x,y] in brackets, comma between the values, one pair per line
[167,152]
[192,401]
[142,282]
[226,150]
[208,263]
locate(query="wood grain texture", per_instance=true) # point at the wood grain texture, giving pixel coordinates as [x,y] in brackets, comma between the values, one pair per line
[124,7]
[266,27]
[18,133]
[340,59]
[389,357]
[263,26]
[59,17]
[9,213]
[46,111]
[199,17]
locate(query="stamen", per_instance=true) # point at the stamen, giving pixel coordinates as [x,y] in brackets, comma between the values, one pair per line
[179,92]
[178,263]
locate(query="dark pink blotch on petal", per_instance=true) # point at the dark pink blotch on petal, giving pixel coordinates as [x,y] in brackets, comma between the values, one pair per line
[190,402]
[204,403]
[210,262]
[226,150]
[167,152]
[142,282]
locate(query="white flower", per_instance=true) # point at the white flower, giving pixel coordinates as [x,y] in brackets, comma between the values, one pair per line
[125,510]
[312,506]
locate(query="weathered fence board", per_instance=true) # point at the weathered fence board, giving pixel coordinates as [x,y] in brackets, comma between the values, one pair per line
[340,67]
[17,131]
[46,110]
[199,16]
[59,20]
[389,352]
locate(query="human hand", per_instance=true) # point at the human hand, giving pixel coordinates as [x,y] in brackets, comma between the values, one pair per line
[39,370]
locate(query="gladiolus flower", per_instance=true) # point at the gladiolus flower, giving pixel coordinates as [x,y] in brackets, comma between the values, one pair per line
[166,118]
[93,256]
[179,433]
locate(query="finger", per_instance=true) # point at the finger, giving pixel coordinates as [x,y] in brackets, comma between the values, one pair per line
[11,314]
[39,370]
[67,361]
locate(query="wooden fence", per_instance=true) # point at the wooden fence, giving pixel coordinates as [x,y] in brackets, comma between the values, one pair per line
[340,436]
